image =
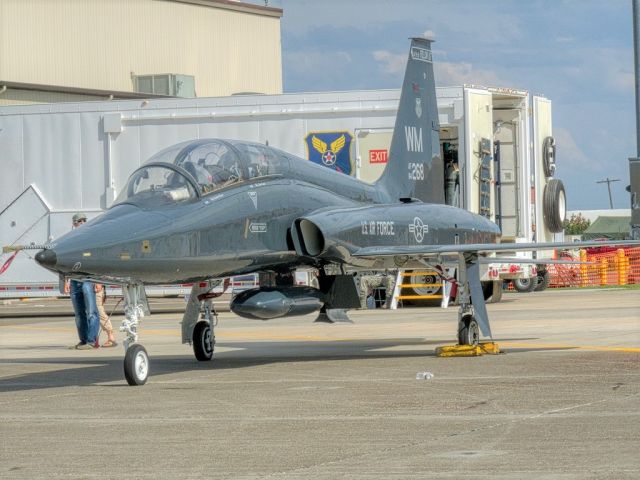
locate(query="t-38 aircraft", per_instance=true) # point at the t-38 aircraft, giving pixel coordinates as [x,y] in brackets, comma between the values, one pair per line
[208,209]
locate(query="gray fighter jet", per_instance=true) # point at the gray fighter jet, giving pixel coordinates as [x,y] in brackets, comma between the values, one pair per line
[208,209]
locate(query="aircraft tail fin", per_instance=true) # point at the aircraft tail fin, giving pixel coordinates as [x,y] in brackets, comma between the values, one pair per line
[414,168]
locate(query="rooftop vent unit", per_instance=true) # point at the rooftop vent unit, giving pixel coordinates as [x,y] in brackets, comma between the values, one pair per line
[170,84]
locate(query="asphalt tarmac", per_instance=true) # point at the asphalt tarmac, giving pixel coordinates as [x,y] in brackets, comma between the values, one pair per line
[289,399]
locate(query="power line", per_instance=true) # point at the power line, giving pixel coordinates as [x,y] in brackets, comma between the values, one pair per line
[609,181]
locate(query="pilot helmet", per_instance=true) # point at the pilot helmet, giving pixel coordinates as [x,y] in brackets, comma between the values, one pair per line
[79,217]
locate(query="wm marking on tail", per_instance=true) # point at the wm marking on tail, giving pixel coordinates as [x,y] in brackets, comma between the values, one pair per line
[413,137]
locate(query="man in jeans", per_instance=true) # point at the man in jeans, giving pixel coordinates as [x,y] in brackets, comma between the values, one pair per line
[83,298]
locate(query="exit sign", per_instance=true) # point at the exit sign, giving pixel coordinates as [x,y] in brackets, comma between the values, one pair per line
[378,156]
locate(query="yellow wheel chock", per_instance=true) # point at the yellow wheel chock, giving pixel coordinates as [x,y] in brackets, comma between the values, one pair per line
[488,348]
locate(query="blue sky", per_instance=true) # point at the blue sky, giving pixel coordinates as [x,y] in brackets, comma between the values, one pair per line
[578,53]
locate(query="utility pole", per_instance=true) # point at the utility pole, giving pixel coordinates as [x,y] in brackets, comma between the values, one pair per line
[609,181]
[634,163]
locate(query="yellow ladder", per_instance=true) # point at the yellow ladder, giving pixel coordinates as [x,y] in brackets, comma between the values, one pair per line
[400,285]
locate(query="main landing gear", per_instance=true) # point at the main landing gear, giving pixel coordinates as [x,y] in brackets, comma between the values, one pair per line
[203,338]
[200,319]
[472,313]
[473,320]
[468,331]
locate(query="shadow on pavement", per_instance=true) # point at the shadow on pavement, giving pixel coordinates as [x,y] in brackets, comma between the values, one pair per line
[85,371]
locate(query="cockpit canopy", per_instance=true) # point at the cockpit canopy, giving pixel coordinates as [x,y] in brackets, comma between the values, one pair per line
[191,169]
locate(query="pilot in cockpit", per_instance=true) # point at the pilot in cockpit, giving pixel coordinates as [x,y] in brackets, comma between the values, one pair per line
[226,171]
[201,175]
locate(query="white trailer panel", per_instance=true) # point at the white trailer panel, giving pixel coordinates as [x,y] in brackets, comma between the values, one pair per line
[80,155]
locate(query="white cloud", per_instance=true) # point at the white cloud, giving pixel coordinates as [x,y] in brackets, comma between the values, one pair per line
[570,154]
[391,62]
[622,80]
[565,39]
[429,34]
[448,73]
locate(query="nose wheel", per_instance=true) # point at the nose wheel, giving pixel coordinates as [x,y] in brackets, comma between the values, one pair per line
[136,358]
[136,365]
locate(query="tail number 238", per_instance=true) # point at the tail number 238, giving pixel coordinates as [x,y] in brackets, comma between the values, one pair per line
[416,171]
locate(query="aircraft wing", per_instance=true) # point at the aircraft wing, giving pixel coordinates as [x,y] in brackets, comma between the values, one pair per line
[427,250]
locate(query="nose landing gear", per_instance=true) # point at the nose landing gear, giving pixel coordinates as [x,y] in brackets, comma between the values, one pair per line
[136,359]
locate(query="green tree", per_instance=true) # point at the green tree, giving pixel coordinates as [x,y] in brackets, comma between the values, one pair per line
[576,225]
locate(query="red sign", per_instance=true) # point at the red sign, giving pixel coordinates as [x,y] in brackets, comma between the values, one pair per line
[378,156]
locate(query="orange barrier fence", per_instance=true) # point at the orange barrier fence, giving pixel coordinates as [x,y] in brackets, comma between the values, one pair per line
[606,266]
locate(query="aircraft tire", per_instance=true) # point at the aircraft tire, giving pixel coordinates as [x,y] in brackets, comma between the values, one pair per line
[554,205]
[203,344]
[468,331]
[525,285]
[136,365]
[544,279]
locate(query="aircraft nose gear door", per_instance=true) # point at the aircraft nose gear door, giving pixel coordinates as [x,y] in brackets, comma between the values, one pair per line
[136,359]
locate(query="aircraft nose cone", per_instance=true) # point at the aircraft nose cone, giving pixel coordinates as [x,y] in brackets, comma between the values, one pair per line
[47,258]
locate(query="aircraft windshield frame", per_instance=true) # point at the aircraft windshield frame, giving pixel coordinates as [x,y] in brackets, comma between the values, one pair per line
[158,183]
[215,164]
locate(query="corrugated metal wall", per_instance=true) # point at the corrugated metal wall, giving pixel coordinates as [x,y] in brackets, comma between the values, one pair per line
[98,44]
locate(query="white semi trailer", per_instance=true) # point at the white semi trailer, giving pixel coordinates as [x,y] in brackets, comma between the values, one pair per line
[58,159]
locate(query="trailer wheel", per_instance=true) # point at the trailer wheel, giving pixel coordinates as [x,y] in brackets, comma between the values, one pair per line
[554,205]
[492,291]
[525,285]
[549,156]
[544,279]
[433,287]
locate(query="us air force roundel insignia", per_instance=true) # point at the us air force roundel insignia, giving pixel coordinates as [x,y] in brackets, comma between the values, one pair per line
[418,228]
[331,149]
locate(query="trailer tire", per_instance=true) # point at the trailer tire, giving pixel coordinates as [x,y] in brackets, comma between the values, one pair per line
[554,205]
[492,291]
[544,279]
[525,285]
[549,156]
[429,278]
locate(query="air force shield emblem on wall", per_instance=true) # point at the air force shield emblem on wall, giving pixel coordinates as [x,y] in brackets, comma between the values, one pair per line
[331,149]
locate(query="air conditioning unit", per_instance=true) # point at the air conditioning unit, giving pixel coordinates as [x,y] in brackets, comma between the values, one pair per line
[170,84]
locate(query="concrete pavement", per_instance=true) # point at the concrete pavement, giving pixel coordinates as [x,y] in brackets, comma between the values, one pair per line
[290,399]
